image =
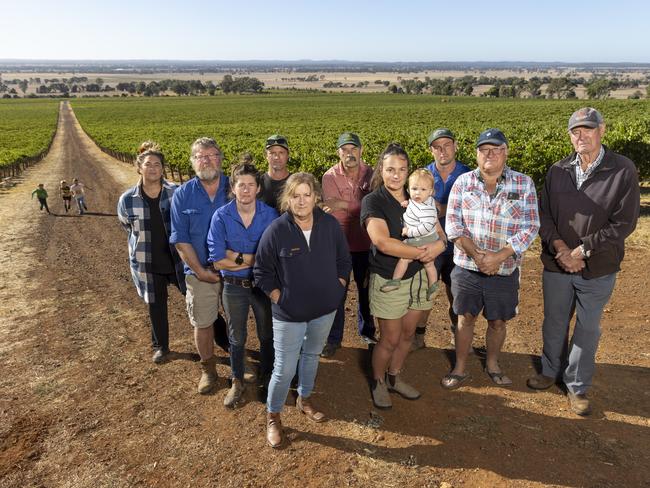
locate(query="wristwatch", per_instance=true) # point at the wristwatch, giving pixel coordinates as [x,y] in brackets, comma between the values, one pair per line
[239,260]
[585,254]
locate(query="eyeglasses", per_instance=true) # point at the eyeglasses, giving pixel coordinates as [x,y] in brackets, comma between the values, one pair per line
[486,151]
[207,157]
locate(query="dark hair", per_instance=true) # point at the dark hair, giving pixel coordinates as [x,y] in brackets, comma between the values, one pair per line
[393,149]
[242,169]
[148,148]
[246,157]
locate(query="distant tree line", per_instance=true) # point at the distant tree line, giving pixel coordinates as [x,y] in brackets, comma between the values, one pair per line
[77,85]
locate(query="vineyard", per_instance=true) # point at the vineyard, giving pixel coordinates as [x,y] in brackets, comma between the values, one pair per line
[312,123]
[26,128]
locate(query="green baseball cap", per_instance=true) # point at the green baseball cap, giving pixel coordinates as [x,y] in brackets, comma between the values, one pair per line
[277,140]
[438,133]
[348,138]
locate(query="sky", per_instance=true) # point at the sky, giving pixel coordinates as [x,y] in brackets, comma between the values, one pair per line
[416,30]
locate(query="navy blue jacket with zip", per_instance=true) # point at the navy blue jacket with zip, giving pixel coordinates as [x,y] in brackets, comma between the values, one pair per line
[306,275]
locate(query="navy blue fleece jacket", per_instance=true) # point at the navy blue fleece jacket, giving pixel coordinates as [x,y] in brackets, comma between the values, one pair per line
[306,275]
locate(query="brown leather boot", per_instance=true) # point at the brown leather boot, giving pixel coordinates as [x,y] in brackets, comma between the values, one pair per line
[208,375]
[273,430]
[305,406]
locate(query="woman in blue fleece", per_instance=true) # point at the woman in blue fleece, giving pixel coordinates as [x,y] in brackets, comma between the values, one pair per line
[303,264]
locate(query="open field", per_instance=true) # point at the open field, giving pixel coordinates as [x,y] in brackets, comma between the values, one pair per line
[81,405]
[291,79]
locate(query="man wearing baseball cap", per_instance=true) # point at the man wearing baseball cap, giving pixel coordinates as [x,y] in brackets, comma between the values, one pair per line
[344,186]
[492,219]
[272,184]
[588,206]
[445,169]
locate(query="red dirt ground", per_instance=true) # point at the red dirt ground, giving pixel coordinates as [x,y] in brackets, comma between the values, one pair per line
[81,404]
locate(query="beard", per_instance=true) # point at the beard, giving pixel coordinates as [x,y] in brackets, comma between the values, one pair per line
[207,174]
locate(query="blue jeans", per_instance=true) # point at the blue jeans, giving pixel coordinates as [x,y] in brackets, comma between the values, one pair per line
[365,321]
[295,341]
[236,302]
[564,295]
[81,203]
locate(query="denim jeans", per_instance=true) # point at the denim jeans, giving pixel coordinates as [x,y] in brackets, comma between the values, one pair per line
[81,203]
[564,295]
[236,302]
[365,321]
[295,341]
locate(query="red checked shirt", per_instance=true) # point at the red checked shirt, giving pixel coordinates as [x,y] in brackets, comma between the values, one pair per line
[510,216]
[337,185]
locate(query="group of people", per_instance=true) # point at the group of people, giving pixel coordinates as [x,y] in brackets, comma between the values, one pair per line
[286,247]
[67,193]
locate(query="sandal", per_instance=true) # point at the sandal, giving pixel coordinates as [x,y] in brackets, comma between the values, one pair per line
[390,285]
[499,378]
[453,381]
[432,291]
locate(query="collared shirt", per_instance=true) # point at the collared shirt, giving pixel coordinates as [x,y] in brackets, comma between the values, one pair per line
[336,184]
[191,215]
[442,189]
[581,176]
[510,216]
[133,213]
[227,231]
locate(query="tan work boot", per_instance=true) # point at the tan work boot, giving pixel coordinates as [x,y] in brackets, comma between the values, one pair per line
[234,395]
[208,375]
[273,430]
[395,383]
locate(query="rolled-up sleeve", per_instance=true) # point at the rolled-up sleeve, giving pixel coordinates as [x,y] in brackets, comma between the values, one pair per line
[454,226]
[180,221]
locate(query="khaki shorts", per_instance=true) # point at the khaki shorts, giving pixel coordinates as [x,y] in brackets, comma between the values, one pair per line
[202,301]
[412,294]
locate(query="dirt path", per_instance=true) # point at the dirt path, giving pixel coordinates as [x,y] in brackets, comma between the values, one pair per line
[82,405]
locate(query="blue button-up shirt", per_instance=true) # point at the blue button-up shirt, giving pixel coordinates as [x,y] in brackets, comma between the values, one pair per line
[192,212]
[442,189]
[227,231]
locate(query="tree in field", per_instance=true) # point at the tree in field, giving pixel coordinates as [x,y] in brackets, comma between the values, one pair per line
[600,88]
[560,88]
[226,84]
[647,91]
[23,84]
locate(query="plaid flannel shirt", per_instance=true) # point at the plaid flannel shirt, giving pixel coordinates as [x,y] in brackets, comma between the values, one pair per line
[133,213]
[509,217]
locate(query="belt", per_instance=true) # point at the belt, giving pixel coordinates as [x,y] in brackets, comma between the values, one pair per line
[233,280]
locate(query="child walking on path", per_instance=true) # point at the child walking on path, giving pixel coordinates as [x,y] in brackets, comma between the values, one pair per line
[41,194]
[421,226]
[66,194]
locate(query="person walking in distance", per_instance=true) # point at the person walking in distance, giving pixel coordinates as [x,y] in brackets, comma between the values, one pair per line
[79,193]
[66,195]
[41,194]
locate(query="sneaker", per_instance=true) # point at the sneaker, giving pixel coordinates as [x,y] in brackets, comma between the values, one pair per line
[160,355]
[380,395]
[404,389]
[579,404]
[234,395]
[540,382]
[418,342]
[329,350]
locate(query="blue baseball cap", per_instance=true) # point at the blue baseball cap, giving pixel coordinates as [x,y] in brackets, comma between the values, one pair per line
[491,136]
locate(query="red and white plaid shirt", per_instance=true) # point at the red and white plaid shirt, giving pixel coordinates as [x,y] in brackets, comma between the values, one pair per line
[510,216]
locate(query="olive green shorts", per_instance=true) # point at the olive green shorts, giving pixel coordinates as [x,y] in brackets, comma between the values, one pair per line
[412,294]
